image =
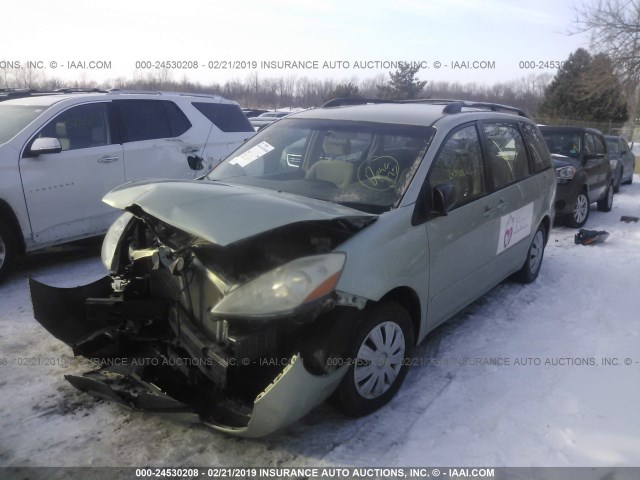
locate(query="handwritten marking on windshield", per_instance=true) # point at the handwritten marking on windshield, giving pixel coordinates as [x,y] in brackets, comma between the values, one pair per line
[381,173]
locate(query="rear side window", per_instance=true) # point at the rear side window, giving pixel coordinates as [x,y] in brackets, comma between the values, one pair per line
[178,121]
[589,144]
[600,145]
[226,116]
[506,153]
[151,119]
[537,147]
[459,163]
[144,120]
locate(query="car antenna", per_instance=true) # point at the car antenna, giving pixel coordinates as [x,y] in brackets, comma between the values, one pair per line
[200,159]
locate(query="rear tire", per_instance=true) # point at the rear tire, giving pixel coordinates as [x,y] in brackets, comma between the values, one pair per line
[378,360]
[531,268]
[580,214]
[616,185]
[606,203]
[8,250]
[633,169]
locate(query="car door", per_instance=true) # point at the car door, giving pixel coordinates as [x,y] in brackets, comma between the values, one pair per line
[627,159]
[463,243]
[593,163]
[515,192]
[151,143]
[63,191]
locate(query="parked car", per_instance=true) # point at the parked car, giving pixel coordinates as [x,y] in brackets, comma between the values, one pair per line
[253,112]
[622,161]
[61,152]
[583,170]
[270,287]
[267,118]
[11,93]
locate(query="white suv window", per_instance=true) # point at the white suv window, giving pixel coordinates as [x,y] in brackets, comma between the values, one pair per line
[151,119]
[84,126]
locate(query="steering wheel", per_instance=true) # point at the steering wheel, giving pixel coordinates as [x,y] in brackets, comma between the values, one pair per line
[381,182]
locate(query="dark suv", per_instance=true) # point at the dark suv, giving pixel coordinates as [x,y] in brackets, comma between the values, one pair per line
[582,168]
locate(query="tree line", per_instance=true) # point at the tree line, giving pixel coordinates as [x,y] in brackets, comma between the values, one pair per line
[599,88]
[256,91]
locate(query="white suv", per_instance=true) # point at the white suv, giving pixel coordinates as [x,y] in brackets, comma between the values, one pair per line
[60,153]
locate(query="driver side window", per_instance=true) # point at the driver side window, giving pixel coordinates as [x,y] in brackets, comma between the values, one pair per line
[83,126]
[459,163]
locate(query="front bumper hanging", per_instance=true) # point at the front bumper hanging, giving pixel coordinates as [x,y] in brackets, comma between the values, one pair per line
[138,371]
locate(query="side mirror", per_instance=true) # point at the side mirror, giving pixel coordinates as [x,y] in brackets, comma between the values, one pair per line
[444,197]
[45,145]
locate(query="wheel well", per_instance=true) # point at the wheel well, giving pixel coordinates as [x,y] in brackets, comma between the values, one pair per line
[6,214]
[546,223]
[408,299]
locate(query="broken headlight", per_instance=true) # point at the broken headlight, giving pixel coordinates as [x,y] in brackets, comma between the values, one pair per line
[112,239]
[284,289]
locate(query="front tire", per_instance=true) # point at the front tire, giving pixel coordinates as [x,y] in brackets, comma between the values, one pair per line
[8,250]
[531,268]
[606,203]
[379,360]
[580,213]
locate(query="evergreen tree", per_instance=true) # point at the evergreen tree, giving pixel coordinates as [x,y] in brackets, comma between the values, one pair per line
[403,84]
[585,88]
[344,90]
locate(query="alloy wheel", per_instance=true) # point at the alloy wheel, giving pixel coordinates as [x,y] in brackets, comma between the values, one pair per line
[581,208]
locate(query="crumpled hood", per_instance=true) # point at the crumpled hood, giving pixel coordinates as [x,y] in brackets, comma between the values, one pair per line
[221,213]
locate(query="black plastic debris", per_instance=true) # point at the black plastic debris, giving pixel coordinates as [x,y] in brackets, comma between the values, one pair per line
[628,219]
[589,237]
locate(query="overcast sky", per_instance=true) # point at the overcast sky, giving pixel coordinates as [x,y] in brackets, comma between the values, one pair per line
[504,32]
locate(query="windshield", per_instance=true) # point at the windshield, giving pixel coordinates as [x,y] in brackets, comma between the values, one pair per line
[367,166]
[13,118]
[566,144]
[613,145]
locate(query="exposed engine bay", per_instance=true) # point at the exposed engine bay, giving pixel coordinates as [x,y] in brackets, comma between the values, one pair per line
[162,341]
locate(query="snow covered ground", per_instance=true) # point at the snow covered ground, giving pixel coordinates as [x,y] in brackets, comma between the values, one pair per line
[554,404]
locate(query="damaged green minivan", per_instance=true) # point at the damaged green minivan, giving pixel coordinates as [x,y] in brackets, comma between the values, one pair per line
[309,263]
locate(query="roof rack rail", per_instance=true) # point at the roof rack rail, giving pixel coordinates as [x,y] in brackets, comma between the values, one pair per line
[451,106]
[340,102]
[455,106]
[161,92]
[75,90]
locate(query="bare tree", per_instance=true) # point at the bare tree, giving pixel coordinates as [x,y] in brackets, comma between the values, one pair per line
[615,30]
[614,26]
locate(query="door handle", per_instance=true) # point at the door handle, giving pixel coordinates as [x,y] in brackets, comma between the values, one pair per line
[108,159]
[488,211]
[502,204]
